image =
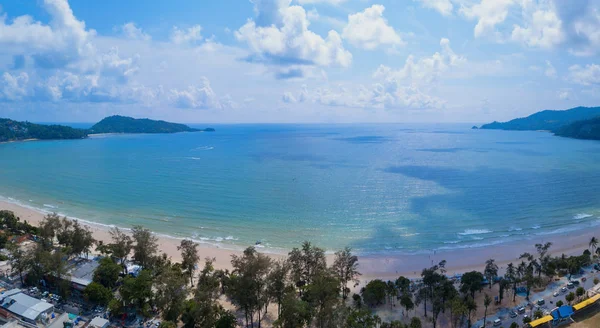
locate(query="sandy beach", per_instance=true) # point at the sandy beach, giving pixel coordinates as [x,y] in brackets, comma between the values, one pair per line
[383,266]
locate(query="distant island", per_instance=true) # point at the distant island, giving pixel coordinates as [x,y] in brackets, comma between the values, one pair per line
[548,120]
[584,129]
[14,131]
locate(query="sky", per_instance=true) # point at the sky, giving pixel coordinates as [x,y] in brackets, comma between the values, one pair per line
[297,61]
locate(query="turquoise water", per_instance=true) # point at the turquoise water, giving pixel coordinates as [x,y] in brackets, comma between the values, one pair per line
[377,188]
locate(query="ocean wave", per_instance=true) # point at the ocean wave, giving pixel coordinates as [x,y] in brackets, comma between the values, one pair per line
[581,216]
[452,241]
[537,226]
[514,229]
[49,205]
[470,245]
[194,158]
[203,148]
[468,232]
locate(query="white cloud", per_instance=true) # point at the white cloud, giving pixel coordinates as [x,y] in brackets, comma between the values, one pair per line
[199,96]
[368,29]
[133,32]
[190,35]
[13,87]
[280,35]
[488,14]
[588,75]
[332,2]
[542,28]
[550,70]
[564,95]
[288,97]
[425,70]
[444,7]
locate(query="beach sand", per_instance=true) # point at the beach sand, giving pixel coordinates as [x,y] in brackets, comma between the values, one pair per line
[383,266]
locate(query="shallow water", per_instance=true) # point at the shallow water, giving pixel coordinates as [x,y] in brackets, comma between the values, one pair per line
[377,188]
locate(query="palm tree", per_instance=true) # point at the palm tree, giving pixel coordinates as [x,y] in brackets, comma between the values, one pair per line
[487,300]
[593,244]
[511,274]
[471,306]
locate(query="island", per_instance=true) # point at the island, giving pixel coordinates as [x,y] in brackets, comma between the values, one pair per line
[11,130]
[584,129]
[547,120]
[15,131]
[124,124]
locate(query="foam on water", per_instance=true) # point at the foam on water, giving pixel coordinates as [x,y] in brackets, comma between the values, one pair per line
[469,232]
[582,216]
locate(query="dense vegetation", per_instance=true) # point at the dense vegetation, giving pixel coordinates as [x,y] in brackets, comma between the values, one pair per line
[549,120]
[123,124]
[12,131]
[586,129]
[301,291]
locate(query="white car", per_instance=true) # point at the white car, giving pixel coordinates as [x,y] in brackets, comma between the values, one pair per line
[555,294]
[497,322]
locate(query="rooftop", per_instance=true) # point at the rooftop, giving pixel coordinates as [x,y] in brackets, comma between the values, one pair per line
[24,305]
[98,322]
[82,271]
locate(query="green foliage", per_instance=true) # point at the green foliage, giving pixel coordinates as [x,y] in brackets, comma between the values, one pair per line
[570,297]
[538,314]
[226,320]
[98,294]
[107,273]
[374,292]
[146,246]
[167,324]
[115,307]
[549,120]
[345,266]
[362,318]
[305,263]
[559,303]
[170,293]
[294,312]
[189,255]
[471,282]
[123,124]
[137,291]
[514,325]
[415,323]
[12,130]
[580,291]
[584,129]
[596,281]
[121,245]
[526,320]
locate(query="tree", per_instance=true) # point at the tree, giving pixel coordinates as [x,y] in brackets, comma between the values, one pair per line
[322,295]
[121,246]
[407,302]
[295,313]
[48,228]
[167,324]
[511,275]
[305,263]
[81,240]
[248,285]
[580,291]
[514,325]
[170,293]
[107,273]
[20,261]
[491,271]
[596,281]
[189,255]
[226,320]
[471,282]
[415,323]
[277,282]
[138,291]
[471,306]
[146,246]
[559,303]
[345,266]
[570,297]
[538,314]
[361,318]
[374,292]
[98,294]
[487,300]
[391,292]
[593,244]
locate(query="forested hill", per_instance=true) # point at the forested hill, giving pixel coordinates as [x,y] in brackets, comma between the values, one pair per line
[585,129]
[123,124]
[13,131]
[550,120]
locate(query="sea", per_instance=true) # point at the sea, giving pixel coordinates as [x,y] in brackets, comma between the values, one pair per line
[381,188]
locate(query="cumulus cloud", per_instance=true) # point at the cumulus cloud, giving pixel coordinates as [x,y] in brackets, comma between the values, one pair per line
[542,27]
[13,87]
[133,32]
[190,35]
[332,2]
[488,14]
[368,29]
[280,36]
[199,96]
[564,95]
[588,75]
[444,7]
[550,70]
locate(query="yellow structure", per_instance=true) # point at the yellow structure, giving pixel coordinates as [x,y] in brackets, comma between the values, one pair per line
[586,303]
[540,321]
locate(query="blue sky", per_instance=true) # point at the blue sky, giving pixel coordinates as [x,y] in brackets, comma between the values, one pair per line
[297,60]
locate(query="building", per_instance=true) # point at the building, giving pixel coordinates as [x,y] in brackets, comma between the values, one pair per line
[82,273]
[98,322]
[25,307]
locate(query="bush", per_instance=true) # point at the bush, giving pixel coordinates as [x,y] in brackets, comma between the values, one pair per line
[514,325]
[3,257]
[559,303]
[527,320]
[596,281]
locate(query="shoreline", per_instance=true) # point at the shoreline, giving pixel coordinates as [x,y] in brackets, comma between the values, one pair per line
[386,266]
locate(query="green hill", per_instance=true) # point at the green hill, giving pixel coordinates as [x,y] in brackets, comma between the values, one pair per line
[13,131]
[550,120]
[585,129]
[123,124]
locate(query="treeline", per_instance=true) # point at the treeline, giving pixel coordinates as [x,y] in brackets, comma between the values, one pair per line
[13,130]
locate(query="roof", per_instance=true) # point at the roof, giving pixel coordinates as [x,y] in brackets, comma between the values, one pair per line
[564,311]
[98,322]
[541,321]
[587,302]
[24,305]
[83,271]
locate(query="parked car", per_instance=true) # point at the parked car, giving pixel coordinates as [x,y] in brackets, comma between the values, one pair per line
[512,314]
[521,309]
[555,294]
[563,290]
[575,282]
[541,301]
[497,322]
[570,285]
